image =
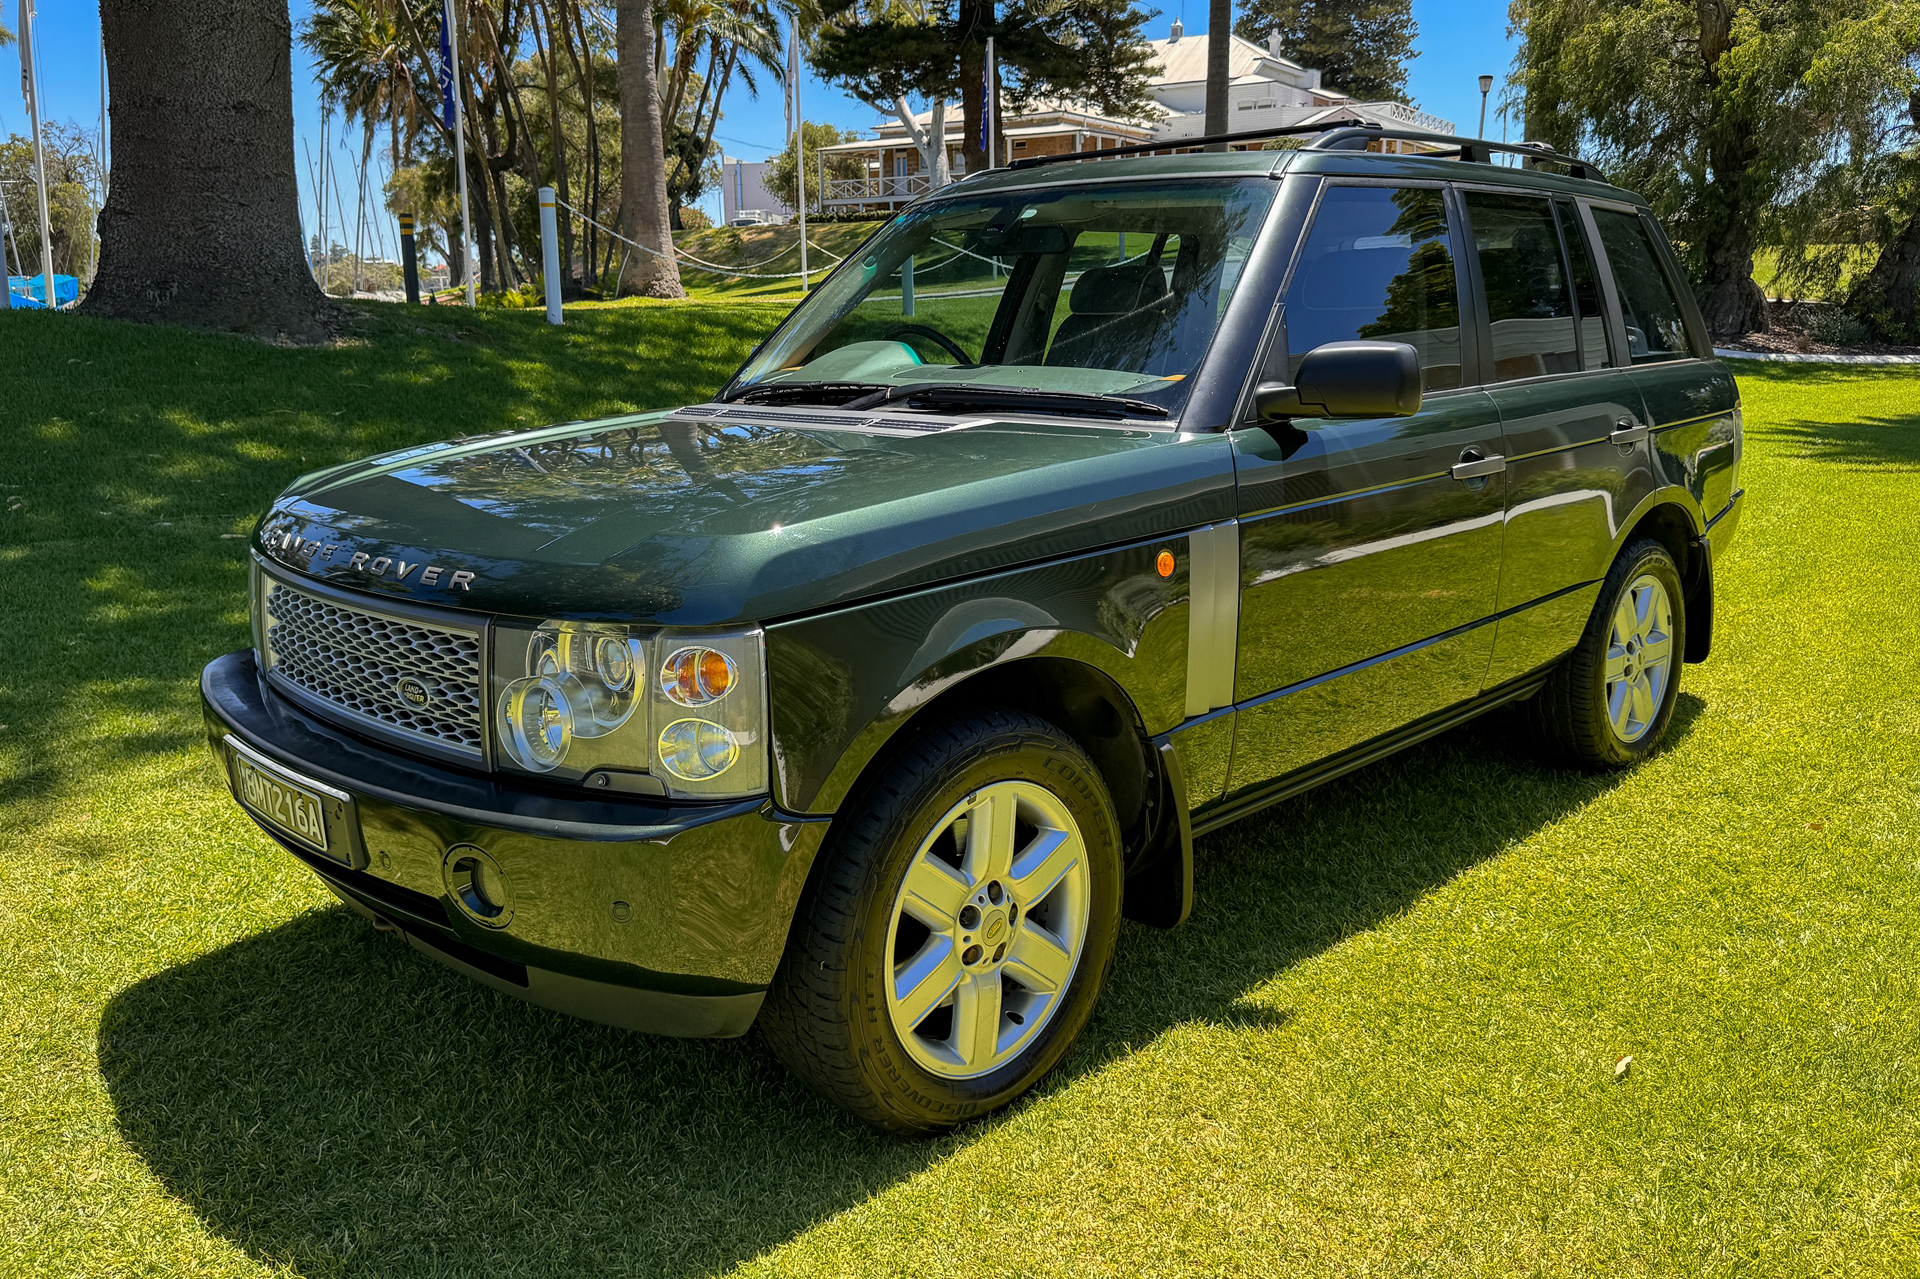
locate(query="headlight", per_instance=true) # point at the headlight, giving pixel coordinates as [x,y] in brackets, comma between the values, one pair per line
[599,704]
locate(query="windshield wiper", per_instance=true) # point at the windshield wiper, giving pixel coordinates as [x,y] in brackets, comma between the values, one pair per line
[953,395]
[800,392]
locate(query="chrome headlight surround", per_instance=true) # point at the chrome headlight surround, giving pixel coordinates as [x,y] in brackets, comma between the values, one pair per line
[590,702]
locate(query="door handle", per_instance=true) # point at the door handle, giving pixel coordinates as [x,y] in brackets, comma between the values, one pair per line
[1472,465]
[1627,432]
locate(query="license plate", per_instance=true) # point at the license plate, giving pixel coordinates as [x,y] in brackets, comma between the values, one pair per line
[296,809]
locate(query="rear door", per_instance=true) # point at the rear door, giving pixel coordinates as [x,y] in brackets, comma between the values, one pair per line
[1367,568]
[1691,398]
[1572,418]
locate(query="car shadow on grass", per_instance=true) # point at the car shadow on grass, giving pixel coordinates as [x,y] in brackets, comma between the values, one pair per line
[334,1103]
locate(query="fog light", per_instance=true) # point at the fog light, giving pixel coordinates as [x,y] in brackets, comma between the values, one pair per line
[478,886]
[696,749]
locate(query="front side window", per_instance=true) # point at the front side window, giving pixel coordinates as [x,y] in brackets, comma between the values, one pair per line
[1378,264]
[1655,327]
[1529,299]
[1102,299]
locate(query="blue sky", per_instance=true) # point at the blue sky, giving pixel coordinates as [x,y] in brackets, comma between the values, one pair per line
[1459,39]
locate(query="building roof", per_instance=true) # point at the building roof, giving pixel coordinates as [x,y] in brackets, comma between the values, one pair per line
[1184,61]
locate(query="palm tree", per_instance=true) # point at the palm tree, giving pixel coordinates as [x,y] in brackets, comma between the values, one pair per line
[723,30]
[650,270]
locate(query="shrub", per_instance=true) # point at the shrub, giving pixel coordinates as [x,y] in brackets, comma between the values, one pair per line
[1833,327]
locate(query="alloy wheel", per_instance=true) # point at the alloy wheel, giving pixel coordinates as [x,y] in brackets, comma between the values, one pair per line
[1639,658]
[987,929]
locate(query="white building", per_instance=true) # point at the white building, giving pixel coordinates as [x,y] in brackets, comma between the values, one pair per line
[743,193]
[1267,91]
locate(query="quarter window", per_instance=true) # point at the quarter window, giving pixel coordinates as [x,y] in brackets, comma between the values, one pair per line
[1379,264]
[1529,299]
[1655,329]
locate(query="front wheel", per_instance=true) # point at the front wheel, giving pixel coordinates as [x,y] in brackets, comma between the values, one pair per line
[955,939]
[1609,703]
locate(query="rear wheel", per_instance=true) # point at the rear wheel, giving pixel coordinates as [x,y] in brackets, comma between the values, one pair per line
[951,948]
[1609,703]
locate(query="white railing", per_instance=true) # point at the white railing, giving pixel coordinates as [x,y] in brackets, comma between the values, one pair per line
[872,190]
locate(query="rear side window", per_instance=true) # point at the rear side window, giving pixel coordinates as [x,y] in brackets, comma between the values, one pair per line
[1655,329]
[1529,296]
[1586,289]
[1378,264]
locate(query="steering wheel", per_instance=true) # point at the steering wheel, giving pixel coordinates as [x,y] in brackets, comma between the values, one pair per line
[946,343]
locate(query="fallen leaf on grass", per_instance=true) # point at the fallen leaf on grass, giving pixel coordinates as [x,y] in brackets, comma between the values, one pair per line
[1621,1067]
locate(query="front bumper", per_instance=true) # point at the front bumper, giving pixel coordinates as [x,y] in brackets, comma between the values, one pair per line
[650,914]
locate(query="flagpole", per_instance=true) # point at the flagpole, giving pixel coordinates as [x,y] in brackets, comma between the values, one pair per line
[799,146]
[31,90]
[988,99]
[459,147]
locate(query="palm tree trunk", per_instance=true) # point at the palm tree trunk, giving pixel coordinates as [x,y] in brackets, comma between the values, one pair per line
[202,222]
[643,167]
[1219,64]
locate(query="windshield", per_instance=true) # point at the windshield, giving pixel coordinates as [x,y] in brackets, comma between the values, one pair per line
[1072,300]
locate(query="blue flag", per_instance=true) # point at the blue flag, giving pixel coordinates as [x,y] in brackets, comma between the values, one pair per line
[445,70]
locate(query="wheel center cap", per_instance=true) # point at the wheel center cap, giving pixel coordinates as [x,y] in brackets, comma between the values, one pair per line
[993,930]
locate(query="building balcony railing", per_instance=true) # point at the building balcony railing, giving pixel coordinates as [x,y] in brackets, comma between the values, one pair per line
[876,190]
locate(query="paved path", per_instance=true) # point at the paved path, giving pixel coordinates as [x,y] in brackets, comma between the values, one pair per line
[1728,354]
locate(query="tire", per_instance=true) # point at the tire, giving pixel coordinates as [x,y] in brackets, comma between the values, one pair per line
[851,1010]
[1609,703]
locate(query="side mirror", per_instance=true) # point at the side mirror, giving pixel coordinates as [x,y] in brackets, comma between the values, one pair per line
[1347,379]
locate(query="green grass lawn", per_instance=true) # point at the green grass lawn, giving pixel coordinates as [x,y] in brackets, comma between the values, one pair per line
[1383,1045]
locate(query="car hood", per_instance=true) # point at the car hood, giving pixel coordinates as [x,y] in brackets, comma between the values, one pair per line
[719,515]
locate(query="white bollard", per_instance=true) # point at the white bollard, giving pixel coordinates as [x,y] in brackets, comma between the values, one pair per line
[550,252]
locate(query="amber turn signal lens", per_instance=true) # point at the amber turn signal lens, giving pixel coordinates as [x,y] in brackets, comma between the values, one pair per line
[697,676]
[1165,563]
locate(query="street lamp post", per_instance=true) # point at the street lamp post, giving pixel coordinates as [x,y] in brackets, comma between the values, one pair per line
[1486,87]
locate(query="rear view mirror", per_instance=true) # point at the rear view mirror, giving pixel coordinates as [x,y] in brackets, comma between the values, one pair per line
[1347,379]
[1016,240]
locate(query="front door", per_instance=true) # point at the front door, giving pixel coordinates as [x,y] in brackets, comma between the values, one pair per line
[1370,550]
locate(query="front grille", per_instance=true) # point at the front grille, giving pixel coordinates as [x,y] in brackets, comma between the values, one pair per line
[359,661]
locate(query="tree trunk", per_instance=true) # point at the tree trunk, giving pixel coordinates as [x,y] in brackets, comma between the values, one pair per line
[1730,301]
[549,60]
[643,159]
[1887,298]
[1219,62]
[974,17]
[202,223]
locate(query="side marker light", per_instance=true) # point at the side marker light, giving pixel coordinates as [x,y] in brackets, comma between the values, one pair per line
[1165,563]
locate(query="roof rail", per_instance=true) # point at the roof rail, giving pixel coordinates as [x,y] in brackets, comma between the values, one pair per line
[1340,137]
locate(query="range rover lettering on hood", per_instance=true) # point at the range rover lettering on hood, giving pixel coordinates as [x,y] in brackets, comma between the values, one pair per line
[284,545]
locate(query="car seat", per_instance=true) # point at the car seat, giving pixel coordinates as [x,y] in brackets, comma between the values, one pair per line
[1114,317]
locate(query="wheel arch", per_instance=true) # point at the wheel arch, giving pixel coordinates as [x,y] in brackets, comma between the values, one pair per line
[1671,518]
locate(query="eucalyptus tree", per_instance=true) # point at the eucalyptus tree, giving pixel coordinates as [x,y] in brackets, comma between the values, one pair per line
[202,222]
[1716,109]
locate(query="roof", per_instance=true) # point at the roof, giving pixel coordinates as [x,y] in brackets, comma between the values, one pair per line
[1184,61]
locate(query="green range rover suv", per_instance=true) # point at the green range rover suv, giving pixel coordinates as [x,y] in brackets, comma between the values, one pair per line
[1089,506]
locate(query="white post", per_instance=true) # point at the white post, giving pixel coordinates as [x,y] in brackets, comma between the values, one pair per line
[550,252]
[460,150]
[799,148]
[31,89]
